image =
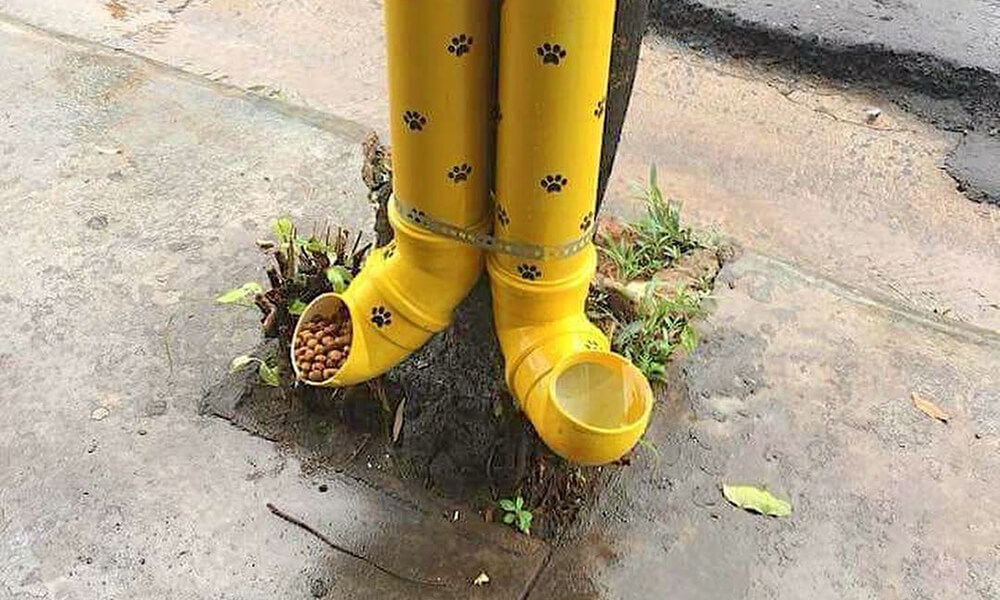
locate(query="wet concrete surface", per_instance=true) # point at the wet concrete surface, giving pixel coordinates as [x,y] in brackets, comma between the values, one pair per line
[134,197]
[804,388]
[976,166]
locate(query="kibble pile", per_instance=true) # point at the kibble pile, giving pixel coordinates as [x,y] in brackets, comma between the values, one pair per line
[322,346]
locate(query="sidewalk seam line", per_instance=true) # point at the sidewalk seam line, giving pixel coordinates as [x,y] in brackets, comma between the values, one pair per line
[537,575]
[346,128]
[875,299]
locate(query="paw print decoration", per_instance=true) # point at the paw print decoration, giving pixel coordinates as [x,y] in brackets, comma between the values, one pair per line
[414,120]
[599,109]
[554,184]
[592,344]
[460,173]
[587,221]
[415,215]
[390,251]
[381,317]
[551,53]
[502,216]
[460,44]
[529,272]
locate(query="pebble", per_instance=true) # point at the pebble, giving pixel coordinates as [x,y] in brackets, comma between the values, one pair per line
[100,413]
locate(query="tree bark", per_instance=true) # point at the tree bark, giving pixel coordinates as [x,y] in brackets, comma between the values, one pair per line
[630,26]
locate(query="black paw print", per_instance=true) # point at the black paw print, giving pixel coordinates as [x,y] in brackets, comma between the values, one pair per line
[502,216]
[586,221]
[554,183]
[414,120]
[460,173]
[417,216]
[381,317]
[551,53]
[460,44]
[389,251]
[592,345]
[599,111]
[529,272]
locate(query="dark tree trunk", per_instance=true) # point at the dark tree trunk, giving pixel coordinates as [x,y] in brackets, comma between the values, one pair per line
[630,25]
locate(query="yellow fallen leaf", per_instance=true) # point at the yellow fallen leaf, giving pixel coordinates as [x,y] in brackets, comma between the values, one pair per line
[929,408]
[482,579]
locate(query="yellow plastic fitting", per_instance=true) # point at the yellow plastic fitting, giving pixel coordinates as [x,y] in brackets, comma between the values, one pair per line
[587,404]
[405,293]
[441,62]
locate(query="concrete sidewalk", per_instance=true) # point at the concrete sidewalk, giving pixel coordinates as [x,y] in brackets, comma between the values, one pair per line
[804,387]
[133,195]
[134,190]
[782,162]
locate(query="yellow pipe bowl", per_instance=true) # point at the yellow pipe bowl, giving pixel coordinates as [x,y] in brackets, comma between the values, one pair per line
[405,293]
[589,405]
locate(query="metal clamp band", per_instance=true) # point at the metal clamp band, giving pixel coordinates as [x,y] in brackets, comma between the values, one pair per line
[492,243]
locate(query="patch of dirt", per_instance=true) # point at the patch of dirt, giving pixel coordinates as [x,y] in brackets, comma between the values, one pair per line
[117,9]
[461,442]
[462,439]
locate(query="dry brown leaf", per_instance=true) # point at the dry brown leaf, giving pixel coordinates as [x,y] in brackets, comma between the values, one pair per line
[929,408]
[397,425]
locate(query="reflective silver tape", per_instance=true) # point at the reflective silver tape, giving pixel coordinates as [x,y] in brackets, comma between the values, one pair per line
[492,243]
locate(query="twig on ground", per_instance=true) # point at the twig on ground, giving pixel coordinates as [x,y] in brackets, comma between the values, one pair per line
[166,345]
[350,458]
[287,517]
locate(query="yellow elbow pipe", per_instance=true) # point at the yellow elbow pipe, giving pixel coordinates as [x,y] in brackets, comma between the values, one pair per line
[588,404]
[440,62]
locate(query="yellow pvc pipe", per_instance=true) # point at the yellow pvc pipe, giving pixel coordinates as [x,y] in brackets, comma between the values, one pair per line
[440,80]
[588,404]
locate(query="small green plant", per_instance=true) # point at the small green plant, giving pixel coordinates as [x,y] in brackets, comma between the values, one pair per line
[664,325]
[516,515]
[657,321]
[655,240]
[242,295]
[268,374]
[302,269]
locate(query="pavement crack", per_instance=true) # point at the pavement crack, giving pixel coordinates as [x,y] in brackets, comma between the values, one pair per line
[536,576]
[956,329]
[302,525]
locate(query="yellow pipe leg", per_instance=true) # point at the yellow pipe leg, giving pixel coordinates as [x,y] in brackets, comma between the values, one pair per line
[588,404]
[440,82]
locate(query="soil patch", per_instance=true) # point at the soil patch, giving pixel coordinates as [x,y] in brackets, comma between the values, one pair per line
[462,442]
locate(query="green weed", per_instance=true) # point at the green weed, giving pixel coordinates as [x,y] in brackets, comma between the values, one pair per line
[661,324]
[516,515]
[654,241]
[268,374]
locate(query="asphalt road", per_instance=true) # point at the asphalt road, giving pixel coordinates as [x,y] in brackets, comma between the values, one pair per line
[964,32]
[940,61]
